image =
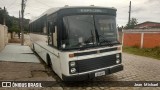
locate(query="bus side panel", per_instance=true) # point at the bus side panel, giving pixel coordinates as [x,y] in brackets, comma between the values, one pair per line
[42,49]
[56,64]
[37,39]
[64,57]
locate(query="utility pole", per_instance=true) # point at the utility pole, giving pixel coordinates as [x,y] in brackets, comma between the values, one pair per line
[19,23]
[4,16]
[129,19]
[22,21]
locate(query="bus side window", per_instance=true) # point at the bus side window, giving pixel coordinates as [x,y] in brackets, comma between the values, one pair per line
[55,36]
[50,34]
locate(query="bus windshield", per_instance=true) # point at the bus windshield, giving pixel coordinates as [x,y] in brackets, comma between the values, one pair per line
[88,30]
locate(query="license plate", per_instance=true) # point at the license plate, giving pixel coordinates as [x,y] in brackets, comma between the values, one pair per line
[101,73]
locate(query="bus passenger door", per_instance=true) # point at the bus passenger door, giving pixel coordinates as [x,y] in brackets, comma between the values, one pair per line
[56,60]
[50,33]
[52,41]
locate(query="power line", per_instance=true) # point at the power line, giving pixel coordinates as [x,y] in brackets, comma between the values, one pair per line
[1,2]
[42,3]
[10,5]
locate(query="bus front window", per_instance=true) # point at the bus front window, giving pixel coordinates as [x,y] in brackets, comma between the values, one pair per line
[88,30]
[80,31]
[106,27]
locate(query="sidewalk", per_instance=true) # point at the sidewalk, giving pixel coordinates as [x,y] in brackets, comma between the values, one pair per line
[19,63]
[16,53]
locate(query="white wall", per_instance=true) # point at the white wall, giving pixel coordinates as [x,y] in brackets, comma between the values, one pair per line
[142,30]
[3,36]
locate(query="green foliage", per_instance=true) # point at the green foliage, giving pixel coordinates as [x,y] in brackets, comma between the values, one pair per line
[3,13]
[14,27]
[12,22]
[148,52]
[132,24]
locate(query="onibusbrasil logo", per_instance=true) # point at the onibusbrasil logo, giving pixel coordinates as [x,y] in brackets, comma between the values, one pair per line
[20,84]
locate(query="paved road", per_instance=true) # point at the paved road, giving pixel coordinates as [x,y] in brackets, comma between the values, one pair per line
[17,53]
[136,68]
[139,68]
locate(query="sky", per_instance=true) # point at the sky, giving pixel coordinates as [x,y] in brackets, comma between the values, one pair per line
[143,10]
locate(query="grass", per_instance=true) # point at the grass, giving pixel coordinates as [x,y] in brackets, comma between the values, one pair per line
[148,52]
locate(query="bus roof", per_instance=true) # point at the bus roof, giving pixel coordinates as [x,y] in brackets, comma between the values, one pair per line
[52,10]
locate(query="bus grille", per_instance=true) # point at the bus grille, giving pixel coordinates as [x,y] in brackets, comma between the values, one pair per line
[96,63]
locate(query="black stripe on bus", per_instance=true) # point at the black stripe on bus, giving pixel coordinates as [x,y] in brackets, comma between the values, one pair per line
[94,52]
[108,50]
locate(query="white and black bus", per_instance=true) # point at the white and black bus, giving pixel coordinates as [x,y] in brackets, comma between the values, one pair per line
[78,43]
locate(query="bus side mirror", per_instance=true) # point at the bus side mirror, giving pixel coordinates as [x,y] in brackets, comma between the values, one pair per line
[52,27]
[53,30]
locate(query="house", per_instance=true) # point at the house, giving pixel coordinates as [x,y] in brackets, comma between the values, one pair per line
[147,24]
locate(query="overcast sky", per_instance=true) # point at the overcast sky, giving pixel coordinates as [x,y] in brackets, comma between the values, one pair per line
[143,10]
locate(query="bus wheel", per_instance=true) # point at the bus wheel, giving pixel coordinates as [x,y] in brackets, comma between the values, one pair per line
[33,47]
[49,63]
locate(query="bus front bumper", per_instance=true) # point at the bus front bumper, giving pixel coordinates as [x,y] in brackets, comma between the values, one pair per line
[91,75]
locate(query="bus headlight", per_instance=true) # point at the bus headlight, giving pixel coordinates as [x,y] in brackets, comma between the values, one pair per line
[117,56]
[72,64]
[118,61]
[73,70]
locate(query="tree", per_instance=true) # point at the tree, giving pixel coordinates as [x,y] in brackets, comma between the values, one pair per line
[12,22]
[132,24]
[14,27]
[2,12]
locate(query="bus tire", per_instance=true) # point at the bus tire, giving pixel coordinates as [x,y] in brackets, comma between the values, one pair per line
[33,48]
[49,63]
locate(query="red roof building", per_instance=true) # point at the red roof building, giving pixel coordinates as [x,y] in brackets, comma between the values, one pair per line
[148,24]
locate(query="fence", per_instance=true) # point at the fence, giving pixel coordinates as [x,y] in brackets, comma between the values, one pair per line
[144,38]
[3,36]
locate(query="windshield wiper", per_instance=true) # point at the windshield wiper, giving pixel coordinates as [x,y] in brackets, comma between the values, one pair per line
[90,39]
[86,47]
[105,41]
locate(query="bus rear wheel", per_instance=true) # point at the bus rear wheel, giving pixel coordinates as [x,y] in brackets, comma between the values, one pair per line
[33,47]
[49,63]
